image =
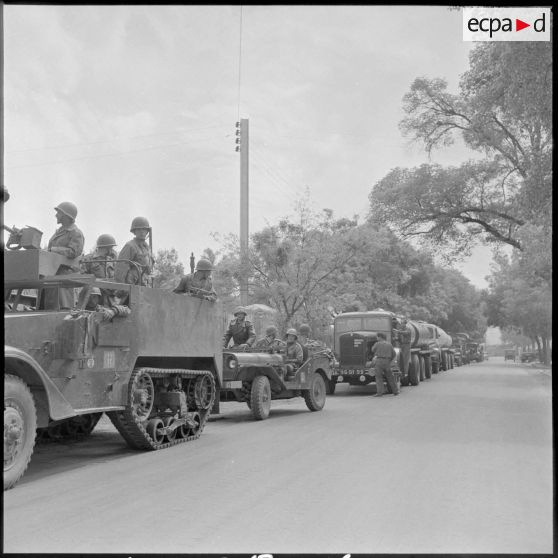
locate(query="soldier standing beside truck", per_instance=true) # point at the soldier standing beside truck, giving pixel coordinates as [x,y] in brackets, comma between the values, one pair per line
[384,353]
[68,241]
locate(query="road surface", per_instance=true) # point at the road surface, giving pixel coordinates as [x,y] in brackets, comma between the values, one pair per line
[460,464]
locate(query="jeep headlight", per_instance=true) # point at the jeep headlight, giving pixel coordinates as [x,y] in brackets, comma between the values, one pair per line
[231,362]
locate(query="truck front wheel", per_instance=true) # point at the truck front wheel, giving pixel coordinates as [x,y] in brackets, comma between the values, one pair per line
[260,397]
[20,423]
[315,396]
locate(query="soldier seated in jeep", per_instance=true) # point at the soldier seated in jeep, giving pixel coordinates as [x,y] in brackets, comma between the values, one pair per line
[294,355]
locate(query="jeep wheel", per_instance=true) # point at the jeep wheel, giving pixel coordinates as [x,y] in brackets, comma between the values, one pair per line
[331,385]
[20,424]
[260,397]
[315,396]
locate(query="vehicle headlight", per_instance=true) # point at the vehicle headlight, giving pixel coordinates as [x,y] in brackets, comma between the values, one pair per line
[231,363]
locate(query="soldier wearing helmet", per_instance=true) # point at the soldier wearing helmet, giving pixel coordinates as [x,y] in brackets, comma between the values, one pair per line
[137,253]
[305,341]
[100,262]
[68,241]
[198,283]
[270,342]
[240,330]
[294,355]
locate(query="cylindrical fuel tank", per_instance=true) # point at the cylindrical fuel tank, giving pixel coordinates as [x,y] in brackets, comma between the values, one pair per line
[421,334]
[444,340]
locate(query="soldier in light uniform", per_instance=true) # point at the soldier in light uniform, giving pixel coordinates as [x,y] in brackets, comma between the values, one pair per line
[100,262]
[294,355]
[68,241]
[198,283]
[270,342]
[136,250]
[240,330]
[384,353]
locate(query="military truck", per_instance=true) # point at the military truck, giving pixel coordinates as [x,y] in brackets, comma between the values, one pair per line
[154,371]
[422,349]
[257,377]
[354,335]
[474,351]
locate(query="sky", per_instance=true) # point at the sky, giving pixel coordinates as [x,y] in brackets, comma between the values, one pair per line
[131,110]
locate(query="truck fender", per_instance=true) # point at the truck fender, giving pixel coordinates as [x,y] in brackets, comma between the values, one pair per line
[20,364]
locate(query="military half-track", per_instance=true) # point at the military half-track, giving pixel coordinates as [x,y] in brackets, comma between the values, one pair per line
[256,377]
[153,370]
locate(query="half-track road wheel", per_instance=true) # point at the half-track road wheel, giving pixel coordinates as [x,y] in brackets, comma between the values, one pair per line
[20,424]
[260,397]
[315,396]
[143,425]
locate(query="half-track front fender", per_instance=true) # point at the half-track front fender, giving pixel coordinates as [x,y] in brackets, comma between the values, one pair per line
[19,363]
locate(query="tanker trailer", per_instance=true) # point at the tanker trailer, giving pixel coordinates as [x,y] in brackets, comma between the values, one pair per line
[442,351]
[416,361]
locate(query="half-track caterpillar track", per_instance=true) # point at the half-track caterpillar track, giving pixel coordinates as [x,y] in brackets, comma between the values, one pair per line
[165,407]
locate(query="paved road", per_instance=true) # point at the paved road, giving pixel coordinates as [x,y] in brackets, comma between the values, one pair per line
[460,464]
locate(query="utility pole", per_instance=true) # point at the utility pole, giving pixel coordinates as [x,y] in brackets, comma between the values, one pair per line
[242,147]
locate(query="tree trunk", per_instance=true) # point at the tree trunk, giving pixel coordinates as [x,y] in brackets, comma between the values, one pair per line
[545,359]
[539,348]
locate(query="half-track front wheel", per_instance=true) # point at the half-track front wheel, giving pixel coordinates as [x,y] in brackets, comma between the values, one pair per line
[315,396]
[260,397]
[20,423]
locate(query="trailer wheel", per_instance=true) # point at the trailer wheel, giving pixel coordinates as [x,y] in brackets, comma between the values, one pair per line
[20,424]
[427,367]
[414,370]
[260,397]
[315,396]
[435,367]
[422,369]
[451,361]
[444,362]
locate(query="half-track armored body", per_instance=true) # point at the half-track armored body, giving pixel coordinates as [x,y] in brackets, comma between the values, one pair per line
[153,369]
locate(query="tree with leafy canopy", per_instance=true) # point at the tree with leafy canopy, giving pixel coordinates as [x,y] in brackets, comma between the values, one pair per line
[503,112]
[167,269]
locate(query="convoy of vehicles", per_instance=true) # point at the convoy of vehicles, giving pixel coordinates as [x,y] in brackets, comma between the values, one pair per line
[159,369]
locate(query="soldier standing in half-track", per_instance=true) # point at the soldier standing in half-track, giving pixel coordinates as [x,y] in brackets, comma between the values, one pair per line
[138,252]
[240,330]
[100,262]
[198,283]
[68,241]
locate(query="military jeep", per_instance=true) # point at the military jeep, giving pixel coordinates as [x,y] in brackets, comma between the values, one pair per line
[256,377]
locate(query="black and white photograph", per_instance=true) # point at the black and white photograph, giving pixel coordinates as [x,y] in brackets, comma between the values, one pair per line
[229,231]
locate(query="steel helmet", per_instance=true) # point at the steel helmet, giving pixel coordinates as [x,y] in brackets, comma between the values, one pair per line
[139,223]
[292,331]
[304,329]
[106,240]
[269,330]
[204,265]
[95,291]
[68,209]
[240,310]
